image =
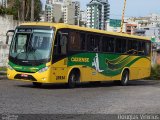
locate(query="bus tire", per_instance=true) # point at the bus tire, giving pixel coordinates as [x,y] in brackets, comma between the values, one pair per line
[125,78]
[72,80]
[36,84]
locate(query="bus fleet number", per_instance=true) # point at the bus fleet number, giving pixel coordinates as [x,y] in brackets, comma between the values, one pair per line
[60,77]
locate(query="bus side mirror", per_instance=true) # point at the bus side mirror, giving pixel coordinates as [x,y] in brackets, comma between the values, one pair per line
[7,40]
[8,34]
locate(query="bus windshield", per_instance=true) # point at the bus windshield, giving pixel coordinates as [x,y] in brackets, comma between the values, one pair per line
[32,45]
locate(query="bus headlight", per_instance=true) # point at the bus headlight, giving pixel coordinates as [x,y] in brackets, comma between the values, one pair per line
[10,67]
[43,69]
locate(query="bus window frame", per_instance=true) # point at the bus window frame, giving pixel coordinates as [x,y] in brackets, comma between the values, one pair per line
[79,32]
[109,36]
[101,35]
[56,57]
[99,46]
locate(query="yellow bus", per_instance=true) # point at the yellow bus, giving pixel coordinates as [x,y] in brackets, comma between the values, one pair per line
[60,53]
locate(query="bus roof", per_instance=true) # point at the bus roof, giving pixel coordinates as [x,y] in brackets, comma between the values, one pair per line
[62,25]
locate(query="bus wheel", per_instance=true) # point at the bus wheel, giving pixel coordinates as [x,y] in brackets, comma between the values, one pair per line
[72,80]
[125,78]
[36,84]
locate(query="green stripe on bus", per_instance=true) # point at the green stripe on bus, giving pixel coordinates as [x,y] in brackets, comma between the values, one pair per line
[26,68]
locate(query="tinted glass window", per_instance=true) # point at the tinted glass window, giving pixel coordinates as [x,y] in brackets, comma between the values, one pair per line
[144,48]
[83,40]
[74,41]
[141,48]
[77,41]
[121,45]
[108,44]
[93,43]
[132,47]
[60,45]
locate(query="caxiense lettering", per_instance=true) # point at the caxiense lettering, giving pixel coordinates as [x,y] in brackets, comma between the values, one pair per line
[75,59]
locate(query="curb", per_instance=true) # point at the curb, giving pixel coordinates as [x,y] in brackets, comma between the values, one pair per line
[3,72]
[3,75]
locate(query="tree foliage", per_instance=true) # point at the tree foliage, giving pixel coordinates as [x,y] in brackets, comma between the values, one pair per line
[155,72]
[4,11]
[21,9]
[53,20]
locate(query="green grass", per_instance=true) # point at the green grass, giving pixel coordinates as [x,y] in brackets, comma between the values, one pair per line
[3,69]
[155,72]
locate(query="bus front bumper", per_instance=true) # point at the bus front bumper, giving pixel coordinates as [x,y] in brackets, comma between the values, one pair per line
[29,77]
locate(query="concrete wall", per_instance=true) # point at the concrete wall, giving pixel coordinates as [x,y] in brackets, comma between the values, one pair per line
[6,23]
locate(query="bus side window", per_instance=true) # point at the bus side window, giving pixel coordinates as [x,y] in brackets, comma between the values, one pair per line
[74,41]
[124,45]
[83,41]
[108,44]
[60,45]
[93,43]
[63,44]
[132,47]
[141,48]
[120,45]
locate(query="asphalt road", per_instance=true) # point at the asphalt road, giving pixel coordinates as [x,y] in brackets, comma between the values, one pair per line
[139,97]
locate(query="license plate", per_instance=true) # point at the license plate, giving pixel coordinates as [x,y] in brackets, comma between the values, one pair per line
[24,75]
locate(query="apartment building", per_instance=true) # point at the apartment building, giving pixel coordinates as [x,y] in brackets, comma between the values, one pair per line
[97,14]
[83,17]
[67,10]
[130,28]
[69,14]
[48,12]
[3,3]
[53,11]
[76,4]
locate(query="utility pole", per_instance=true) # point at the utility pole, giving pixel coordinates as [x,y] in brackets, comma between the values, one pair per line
[32,10]
[123,12]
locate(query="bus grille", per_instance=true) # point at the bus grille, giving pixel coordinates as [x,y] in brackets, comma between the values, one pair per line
[24,71]
[29,77]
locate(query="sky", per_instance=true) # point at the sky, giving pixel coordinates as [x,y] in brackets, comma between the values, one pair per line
[134,8]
